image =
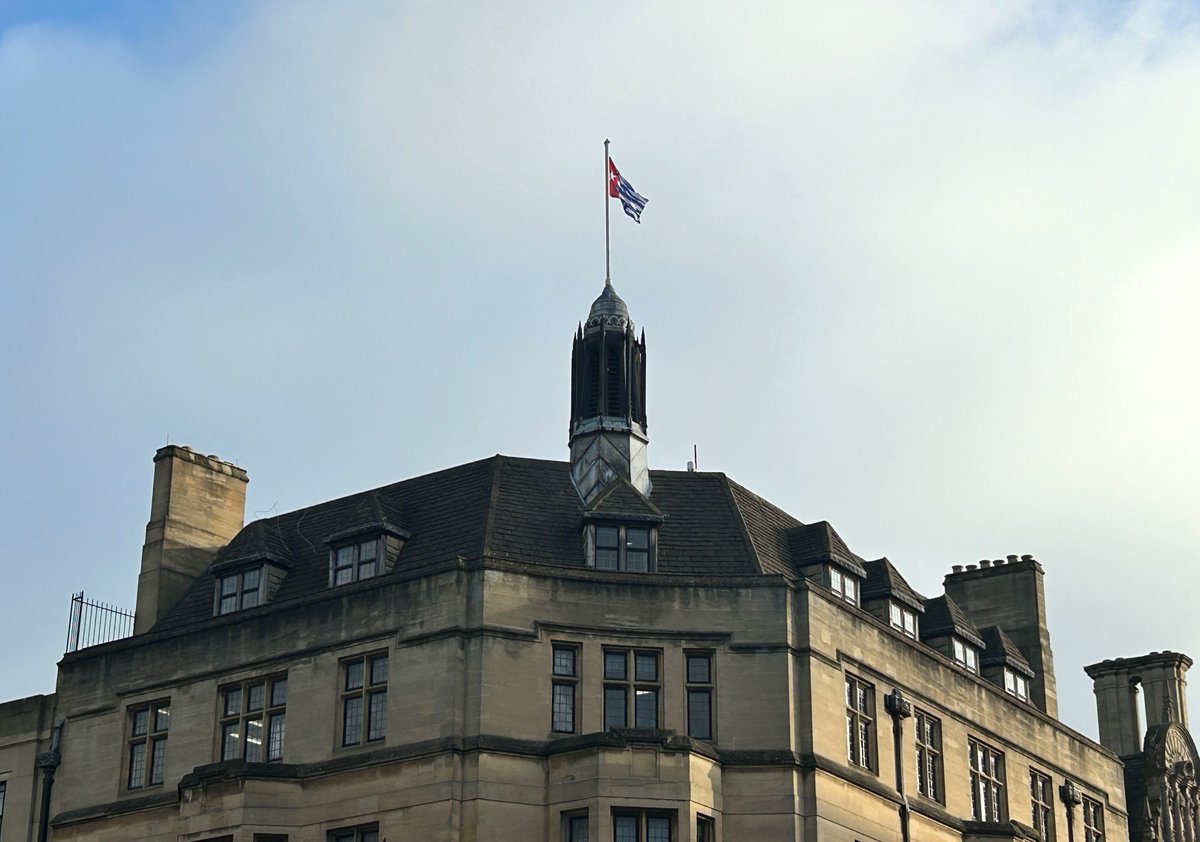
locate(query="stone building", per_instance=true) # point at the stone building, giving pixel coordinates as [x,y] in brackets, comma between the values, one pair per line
[521,649]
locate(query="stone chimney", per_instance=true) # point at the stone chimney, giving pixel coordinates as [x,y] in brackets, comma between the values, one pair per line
[1009,593]
[1115,682]
[197,505]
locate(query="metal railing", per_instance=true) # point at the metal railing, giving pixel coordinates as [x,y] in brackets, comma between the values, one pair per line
[92,623]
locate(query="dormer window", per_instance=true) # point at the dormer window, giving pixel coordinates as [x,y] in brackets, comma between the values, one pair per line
[1016,684]
[239,590]
[624,548]
[903,618]
[844,585]
[355,561]
[966,656]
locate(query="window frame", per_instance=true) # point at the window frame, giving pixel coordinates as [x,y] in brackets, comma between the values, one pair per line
[272,710]
[903,619]
[240,591]
[631,686]
[574,821]
[845,585]
[3,793]
[563,682]
[356,833]
[927,738]
[1093,820]
[643,818]
[622,549]
[355,562]
[966,655]
[989,773]
[698,688]
[706,828]
[368,694]
[1041,804]
[861,746]
[151,740]
[1016,684]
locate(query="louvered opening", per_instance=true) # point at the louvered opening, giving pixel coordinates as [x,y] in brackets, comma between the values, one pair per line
[591,382]
[615,380]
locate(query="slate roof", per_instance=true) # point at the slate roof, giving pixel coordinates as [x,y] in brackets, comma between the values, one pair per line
[521,510]
[621,499]
[884,581]
[943,617]
[1000,649]
[819,542]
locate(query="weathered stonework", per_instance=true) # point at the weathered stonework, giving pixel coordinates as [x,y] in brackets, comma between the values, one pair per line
[749,703]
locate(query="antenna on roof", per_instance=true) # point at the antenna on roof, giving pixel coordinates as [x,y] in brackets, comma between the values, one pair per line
[694,465]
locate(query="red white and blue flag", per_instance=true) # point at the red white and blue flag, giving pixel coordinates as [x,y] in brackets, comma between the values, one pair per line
[619,188]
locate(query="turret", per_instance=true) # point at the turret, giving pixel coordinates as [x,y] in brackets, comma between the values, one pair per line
[608,400]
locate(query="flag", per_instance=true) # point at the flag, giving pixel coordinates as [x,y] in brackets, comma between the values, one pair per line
[619,188]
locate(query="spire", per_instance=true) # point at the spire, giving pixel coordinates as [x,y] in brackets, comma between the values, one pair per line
[608,400]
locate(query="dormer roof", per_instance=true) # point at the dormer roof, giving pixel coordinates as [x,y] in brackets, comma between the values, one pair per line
[999,649]
[943,618]
[885,582]
[373,514]
[622,501]
[819,542]
[258,541]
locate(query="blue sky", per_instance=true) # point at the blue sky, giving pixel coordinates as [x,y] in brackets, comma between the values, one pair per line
[926,271]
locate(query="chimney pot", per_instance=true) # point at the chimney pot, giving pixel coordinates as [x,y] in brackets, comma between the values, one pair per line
[971,567]
[1026,558]
[1012,559]
[985,564]
[958,568]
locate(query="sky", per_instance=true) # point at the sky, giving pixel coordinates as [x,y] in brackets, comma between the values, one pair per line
[925,270]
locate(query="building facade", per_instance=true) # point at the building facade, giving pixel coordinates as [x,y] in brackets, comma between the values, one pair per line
[522,649]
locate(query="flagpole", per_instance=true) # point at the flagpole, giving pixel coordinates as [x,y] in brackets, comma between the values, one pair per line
[607,261]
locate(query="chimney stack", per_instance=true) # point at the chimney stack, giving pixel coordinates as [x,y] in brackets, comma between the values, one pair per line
[1010,594]
[197,505]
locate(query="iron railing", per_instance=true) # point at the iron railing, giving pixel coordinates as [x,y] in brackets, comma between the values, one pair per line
[92,623]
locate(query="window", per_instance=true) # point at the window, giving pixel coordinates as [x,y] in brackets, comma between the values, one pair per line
[566,679]
[860,722]
[1016,684]
[148,744]
[253,720]
[987,783]
[3,787]
[902,618]
[352,562]
[236,591]
[575,826]
[364,699]
[844,585]
[929,755]
[966,655]
[699,695]
[621,688]
[1041,799]
[642,827]
[623,548]
[1093,820]
[706,829]
[365,833]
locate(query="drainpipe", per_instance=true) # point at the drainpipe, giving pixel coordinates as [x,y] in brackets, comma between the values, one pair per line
[48,762]
[1070,795]
[900,708]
